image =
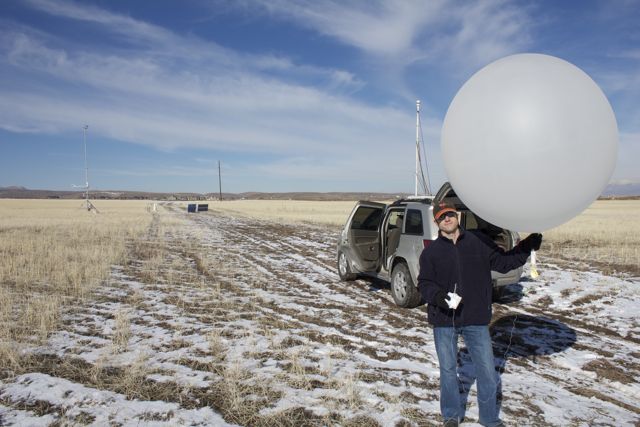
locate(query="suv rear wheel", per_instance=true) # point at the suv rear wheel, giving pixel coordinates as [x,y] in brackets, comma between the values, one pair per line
[343,268]
[403,290]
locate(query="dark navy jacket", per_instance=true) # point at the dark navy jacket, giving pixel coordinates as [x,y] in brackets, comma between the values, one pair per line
[466,267]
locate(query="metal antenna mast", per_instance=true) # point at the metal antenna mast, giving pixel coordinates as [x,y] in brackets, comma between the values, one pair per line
[417,144]
[419,171]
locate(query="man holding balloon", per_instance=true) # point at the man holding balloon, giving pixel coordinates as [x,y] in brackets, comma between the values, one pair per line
[528,142]
[455,280]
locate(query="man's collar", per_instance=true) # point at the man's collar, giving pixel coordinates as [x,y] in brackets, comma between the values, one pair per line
[460,230]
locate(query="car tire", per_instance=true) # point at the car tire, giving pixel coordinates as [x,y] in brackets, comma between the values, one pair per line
[344,270]
[403,290]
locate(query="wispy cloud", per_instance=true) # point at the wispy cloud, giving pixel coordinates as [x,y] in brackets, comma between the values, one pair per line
[381,27]
[624,182]
[394,37]
[178,92]
[627,170]
[142,83]
[166,171]
[487,31]
[472,33]
[217,98]
[136,31]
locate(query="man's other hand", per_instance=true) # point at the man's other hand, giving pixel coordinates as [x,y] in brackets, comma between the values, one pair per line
[532,242]
[453,300]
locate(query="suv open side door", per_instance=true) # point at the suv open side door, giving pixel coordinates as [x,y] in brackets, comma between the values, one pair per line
[362,235]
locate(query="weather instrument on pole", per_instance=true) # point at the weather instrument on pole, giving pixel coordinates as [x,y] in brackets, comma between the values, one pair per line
[87,203]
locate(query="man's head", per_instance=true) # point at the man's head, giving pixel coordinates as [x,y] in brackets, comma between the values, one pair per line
[446,216]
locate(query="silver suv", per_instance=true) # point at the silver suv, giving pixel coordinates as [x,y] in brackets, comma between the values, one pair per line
[385,241]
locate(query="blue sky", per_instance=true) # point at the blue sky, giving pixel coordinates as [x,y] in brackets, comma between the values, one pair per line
[311,95]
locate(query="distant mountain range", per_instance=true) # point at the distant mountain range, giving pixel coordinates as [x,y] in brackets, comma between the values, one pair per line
[631,190]
[17,192]
[628,189]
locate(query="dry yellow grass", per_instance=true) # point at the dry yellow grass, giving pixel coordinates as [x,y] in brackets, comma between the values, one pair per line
[607,233]
[180,262]
[55,251]
[61,246]
[289,211]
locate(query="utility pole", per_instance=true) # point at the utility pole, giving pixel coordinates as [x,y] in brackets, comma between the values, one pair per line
[220,180]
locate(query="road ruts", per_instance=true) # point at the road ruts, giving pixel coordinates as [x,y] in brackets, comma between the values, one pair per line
[537,348]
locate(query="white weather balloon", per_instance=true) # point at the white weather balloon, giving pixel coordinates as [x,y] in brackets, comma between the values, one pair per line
[529,141]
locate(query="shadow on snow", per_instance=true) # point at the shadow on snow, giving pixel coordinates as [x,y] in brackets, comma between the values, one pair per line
[516,336]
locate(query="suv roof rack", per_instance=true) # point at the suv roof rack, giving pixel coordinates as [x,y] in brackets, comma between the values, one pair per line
[416,199]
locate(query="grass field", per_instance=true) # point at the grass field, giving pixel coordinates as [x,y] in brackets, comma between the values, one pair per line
[54,252]
[215,312]
[607,233]
[289,211]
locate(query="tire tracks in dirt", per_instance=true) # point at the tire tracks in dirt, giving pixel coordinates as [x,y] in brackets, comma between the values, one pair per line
[302,272]
[296,263]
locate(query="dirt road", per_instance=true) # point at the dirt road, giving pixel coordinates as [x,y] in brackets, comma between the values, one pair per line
[572,361]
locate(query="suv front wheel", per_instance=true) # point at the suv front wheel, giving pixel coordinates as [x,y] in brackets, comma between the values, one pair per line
[403,290]
[343,268]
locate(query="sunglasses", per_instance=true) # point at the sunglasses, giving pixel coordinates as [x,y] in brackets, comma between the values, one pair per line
[446,215]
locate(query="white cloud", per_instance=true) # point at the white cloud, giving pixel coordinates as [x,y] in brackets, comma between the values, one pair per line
[151,41]
[168,91]
[633,54]
[470,33]
[624,182]
[381,27]
[182,92]
[488,30]
[168,170]
[618,81]
[628,155]
[135,30]
[164,100]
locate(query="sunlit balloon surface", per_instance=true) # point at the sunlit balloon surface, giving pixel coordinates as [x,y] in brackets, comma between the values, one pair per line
[529,141]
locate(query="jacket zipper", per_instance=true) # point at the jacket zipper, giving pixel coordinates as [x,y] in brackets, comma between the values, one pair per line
[458,281]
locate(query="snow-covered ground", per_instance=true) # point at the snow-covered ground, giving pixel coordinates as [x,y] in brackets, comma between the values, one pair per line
[247,323]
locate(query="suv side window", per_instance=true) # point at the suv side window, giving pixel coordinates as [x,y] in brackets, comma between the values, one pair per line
[413,222]
[366,218]
[395,219]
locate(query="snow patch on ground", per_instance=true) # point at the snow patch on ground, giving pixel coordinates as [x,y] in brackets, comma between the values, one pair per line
[566,344]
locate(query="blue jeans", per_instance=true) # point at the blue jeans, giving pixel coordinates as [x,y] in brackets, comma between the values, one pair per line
[478,342]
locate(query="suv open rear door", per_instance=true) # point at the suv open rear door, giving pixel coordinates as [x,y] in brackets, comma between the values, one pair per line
[362,234]
[448,194]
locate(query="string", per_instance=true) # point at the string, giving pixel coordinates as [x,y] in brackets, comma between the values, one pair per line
[454,336]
